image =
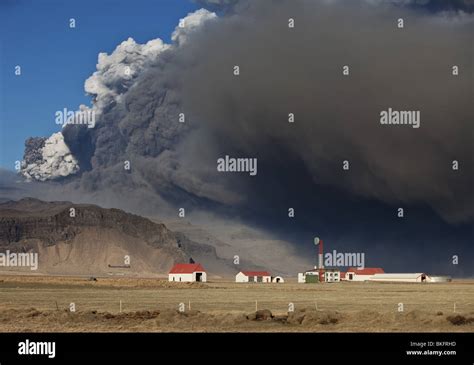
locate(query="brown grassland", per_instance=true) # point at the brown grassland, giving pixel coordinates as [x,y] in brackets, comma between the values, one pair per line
[41,304]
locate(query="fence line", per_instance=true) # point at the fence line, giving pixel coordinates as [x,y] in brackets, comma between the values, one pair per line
[278,306]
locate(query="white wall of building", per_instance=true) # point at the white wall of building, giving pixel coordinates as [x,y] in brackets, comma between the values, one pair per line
[401,278]
[332,276]
[187,278]
[203,276]
[440,279]
[357,277]
[241,278]
[181,277]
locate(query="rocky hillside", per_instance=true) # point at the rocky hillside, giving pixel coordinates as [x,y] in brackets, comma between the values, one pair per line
[87,239]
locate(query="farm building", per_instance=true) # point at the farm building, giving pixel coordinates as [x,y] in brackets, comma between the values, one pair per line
[328,275]
[278,279]
[401,278]
[187,273]
[356,274]
[440,279]
[310,276]
[320,273]
[331,275]
[253,277]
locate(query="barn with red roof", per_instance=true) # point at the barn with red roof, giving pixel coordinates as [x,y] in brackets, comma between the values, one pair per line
[187,273]
[253,277]
[365,274]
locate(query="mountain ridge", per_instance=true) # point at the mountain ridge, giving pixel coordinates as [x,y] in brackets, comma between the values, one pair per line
[88,239]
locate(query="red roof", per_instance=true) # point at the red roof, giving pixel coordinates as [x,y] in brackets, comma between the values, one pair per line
[186,268]
[366,271]
[255,273]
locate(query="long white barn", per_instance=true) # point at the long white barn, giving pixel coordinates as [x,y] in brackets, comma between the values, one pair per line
[401,278]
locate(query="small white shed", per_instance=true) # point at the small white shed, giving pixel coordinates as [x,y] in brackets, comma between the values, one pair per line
[278,279]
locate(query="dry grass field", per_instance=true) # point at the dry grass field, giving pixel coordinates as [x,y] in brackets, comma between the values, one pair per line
[40,303]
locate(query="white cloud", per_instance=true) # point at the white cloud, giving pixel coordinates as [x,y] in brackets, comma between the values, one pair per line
[57,161]
[191,22]
[117,72]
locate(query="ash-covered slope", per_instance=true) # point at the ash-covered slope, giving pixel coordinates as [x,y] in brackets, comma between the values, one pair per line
[94,241]
[256,249]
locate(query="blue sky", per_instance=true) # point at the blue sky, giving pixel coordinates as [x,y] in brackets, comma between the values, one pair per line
[56,60]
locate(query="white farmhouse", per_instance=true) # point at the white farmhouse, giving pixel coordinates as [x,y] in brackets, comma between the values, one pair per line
[187,273]
[253,277]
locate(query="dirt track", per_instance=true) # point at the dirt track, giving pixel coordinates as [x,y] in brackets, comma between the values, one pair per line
[42,304]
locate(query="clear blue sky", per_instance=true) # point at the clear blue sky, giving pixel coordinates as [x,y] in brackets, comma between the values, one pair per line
[56,60]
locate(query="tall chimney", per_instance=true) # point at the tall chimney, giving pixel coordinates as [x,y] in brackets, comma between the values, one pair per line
[321,254]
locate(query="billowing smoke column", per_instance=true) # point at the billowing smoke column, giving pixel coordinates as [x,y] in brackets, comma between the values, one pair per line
[139,92]
[170,111]
[48,158]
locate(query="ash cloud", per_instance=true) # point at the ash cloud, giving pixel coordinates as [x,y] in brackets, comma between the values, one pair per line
[48,158]
[139,91]
[425,5]
[118,71]
[337,117]
[300,164]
